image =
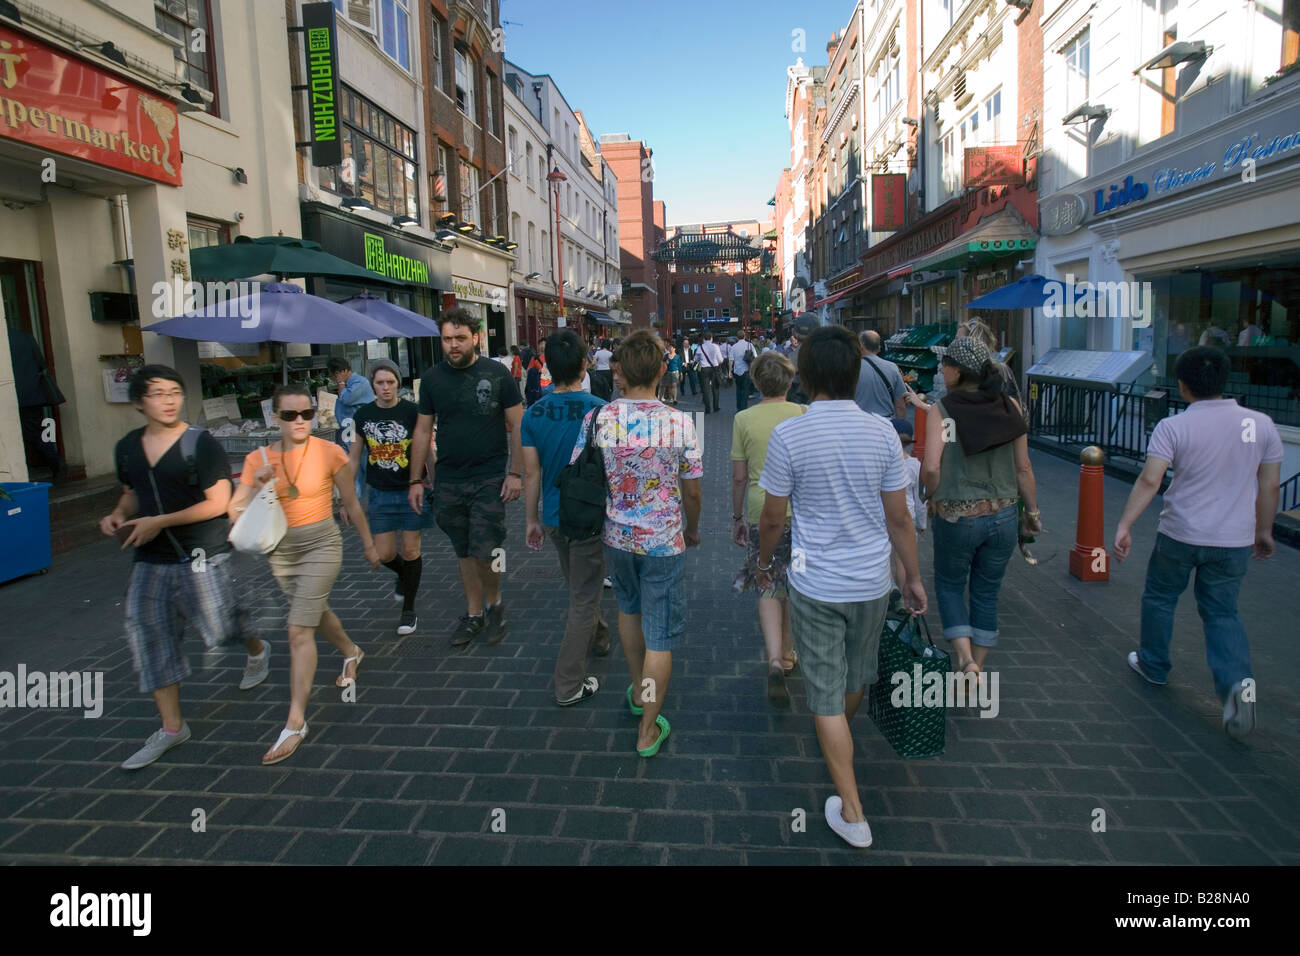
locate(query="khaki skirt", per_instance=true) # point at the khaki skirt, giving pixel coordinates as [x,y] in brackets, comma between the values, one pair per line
[306,563]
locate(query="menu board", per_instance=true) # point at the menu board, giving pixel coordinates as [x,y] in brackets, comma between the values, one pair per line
[1092,367]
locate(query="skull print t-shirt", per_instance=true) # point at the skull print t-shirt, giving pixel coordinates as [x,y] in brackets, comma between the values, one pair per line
[386,434]
[469,409]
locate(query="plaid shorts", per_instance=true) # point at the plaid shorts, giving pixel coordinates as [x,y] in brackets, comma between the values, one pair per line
[472,515]
[161,598]
[838,645]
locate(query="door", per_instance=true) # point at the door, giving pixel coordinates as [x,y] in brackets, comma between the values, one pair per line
[21,289]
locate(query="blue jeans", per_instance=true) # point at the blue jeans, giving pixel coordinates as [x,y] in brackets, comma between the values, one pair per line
[1218,580]
[974,550]
[693,380]
[742,390]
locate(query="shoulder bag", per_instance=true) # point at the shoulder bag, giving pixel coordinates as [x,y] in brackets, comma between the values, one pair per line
[260,528]
[583,490]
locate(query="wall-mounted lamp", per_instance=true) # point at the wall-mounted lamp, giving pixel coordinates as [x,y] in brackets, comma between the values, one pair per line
[106,49]
[531,276]
[511,246]
[1085,114]
[404,220]
[466,228]
[241,177]
[7,9]
[355,202]
[447,220]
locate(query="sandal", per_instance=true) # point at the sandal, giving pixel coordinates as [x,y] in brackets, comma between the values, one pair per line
[344,680]
[662,723]
[285,734]
[631,704]
[789,661]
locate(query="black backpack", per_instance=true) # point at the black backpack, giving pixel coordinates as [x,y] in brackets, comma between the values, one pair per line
[583,491]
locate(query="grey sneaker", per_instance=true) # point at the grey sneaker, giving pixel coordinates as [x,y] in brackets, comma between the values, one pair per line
[1238,714]
[256,668]
[155,747]
[467,628]
[494,624]
[408,623]
[1134,663]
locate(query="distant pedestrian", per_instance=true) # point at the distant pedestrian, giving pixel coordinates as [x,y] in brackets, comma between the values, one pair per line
[842,472]
[915,500]
[517,367]
[652,515]
[478,467]
[974,482]
[308,558]
[1219,510]
[539,377]
[385,430]
[549,432]
[691,365]
[36,390]
[602,378]
[750,433]
[741,355]
[172,512]
[880,384]
[804,326]
[712,368]
[673,362]
[354,391]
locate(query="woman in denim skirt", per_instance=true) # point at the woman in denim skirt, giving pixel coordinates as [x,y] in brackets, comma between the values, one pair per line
[385,429]
[974,480]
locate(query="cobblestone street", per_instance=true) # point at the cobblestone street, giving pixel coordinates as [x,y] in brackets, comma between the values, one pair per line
[438,740]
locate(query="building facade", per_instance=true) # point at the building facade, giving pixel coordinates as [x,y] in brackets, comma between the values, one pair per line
[631,161]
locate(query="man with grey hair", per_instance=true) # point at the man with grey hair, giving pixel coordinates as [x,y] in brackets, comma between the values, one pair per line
[880,385]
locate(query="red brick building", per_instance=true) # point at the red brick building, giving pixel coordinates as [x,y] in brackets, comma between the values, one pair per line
[630,160]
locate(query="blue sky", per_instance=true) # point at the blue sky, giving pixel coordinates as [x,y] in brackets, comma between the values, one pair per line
[702,83]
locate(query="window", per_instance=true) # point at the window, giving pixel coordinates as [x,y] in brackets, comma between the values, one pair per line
[190,25]
[532,247]
[687,314]
[712,314]
[512,149]
[1290,32]
[950,168]
[205,233]
[545,248]
[490,104]
[710,287]
[465,85]
[686,287]
[469,211]
[394,34]
[514,227]
[950,10]
[1076,71]
[541,172]
[697,287]
[528,164]
[993,117]
[436,33]
[738,289]
[726,313]
[380,163]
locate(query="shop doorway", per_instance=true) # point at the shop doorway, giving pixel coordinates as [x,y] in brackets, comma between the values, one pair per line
[496,329]
[22,289]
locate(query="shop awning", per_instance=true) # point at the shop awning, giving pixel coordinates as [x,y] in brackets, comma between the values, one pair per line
[848,290]
[1002,234]
[281,256]
[602,319]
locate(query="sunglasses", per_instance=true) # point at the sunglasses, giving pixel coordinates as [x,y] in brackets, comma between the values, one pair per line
[293,414]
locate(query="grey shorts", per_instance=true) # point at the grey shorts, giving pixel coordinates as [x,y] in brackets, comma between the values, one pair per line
[838,645]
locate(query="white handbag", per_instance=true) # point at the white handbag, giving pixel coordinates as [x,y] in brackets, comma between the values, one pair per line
[260,528]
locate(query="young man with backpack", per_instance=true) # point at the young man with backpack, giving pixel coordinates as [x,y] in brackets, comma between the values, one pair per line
[549,432]
[175,490]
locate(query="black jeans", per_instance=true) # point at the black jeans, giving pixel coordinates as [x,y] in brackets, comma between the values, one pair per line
[709,387]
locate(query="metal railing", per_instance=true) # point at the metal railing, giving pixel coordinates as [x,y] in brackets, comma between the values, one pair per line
[1289,495]
[1120,423]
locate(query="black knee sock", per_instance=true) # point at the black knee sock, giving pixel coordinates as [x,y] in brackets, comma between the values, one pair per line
[396,566]
[411,582]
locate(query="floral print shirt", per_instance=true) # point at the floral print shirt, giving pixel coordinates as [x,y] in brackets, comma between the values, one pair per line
[648,448]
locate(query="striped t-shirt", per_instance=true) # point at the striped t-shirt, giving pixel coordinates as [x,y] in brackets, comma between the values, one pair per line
[833,462]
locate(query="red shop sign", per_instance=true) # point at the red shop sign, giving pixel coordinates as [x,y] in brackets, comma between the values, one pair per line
[887,202]
[66,106]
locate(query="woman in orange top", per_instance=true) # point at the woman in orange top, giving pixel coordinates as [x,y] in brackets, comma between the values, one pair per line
[307,560]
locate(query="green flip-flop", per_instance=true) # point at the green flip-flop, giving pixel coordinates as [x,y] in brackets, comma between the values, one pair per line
[664,731]
[631,704]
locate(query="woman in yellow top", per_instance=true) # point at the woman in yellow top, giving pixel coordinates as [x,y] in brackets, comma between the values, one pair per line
[307,560]
[772,373]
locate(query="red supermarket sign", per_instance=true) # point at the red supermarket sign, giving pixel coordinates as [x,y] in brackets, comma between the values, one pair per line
[63,105]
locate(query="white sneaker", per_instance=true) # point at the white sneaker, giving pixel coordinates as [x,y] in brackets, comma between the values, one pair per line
[609,583]
[855,834]
[159,743]
[256,668]
[1238,714]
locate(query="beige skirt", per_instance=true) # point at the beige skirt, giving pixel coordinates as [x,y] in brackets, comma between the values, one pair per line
[306,564]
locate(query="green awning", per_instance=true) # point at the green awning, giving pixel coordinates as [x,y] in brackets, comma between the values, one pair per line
[1004,233]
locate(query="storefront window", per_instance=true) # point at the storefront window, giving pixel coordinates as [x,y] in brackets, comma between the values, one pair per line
[937,303]
[1253,314]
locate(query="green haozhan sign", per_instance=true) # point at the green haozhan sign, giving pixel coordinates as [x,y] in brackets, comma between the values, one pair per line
[323,114]
[393,265]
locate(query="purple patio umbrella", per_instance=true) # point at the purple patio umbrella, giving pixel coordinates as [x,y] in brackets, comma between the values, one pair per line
[401,321]
[279,312]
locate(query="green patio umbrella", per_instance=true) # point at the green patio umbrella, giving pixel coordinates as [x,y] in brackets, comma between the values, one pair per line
[280,256]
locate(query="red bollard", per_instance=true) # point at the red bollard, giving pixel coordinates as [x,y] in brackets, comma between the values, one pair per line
[1088,558]
[919,416]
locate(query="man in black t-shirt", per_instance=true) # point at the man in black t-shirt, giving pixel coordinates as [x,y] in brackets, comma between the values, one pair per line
[175,489]
[476,470]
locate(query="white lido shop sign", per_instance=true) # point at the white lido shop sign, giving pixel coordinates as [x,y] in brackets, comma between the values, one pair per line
[473,290]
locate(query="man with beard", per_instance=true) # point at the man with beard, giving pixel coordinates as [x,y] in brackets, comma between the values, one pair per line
[476,471]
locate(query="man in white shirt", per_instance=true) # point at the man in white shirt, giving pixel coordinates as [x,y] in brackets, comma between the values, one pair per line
[602,376]
[842,472]
[712,366]
[742,354]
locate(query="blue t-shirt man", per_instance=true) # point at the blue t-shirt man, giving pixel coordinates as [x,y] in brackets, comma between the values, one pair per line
[551,425]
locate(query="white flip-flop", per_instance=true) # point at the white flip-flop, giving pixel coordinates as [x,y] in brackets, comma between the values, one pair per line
[344,680]
[285,735]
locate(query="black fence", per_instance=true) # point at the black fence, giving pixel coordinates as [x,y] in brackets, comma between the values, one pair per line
[1289,496]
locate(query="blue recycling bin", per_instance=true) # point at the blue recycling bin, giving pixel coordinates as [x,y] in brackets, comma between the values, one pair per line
[24,528]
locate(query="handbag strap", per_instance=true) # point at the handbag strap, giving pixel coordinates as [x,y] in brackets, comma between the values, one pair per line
[888,388]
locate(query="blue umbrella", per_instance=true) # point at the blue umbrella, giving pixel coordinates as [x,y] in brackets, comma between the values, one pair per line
[279,312]
[1027,292]
[401,321]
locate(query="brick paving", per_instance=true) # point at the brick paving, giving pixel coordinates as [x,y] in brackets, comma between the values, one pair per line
[440,739]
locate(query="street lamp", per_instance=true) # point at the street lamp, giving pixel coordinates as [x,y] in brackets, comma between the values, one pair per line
[555,177]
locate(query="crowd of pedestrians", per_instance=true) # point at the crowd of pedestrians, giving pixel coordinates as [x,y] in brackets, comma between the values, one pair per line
[827,502]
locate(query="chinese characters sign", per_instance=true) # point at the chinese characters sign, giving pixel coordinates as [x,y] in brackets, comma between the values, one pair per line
[888,206]
[993,166]
[323,83]
[56,103]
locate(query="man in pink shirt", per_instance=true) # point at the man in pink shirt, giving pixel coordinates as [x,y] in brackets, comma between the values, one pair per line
[1227,462]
